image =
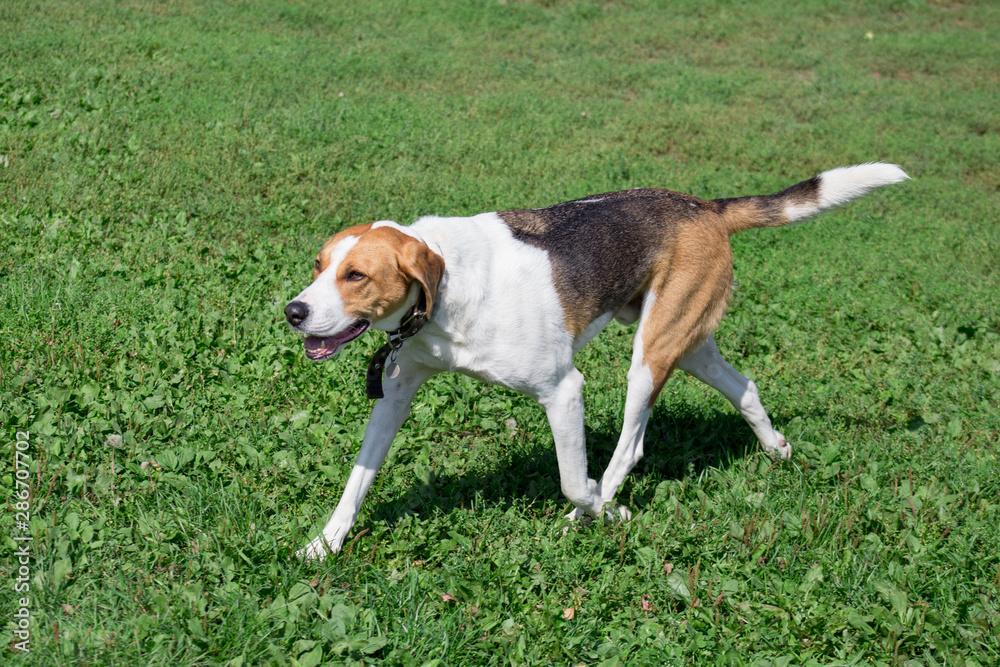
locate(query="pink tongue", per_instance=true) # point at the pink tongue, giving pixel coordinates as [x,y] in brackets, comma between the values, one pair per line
[314,343]
[321,348]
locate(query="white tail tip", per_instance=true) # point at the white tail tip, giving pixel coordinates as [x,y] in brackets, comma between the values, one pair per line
[841,185]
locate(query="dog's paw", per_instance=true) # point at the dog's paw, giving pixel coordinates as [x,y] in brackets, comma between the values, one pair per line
[577,516]
[613,513]
[315,551]
[610,513]
[782,451]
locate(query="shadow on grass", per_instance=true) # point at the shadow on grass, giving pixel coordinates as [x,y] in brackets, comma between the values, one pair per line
[681,441]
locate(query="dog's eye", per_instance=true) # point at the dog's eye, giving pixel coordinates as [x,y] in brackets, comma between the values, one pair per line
[355,276]
[316,266]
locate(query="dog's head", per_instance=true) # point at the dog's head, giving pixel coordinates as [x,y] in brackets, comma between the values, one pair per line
[365,276]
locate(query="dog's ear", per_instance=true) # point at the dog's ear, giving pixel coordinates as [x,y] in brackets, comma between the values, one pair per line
[425,266]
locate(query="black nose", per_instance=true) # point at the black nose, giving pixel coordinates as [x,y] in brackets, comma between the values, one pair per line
[296,312]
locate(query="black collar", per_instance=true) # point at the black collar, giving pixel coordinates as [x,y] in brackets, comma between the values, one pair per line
[408,327]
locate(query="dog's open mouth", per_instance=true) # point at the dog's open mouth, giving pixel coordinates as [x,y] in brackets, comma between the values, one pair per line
[320,349]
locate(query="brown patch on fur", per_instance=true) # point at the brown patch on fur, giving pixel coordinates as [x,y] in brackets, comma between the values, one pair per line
[424,265]
[691,284]
[375,276]
[323,258]
[742,213]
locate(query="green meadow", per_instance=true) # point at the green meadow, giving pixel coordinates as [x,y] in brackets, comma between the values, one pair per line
[168,171]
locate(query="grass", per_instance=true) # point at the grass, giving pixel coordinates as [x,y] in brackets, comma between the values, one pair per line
[167,172]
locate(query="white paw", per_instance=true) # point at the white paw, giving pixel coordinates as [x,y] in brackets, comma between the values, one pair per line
[316,550]
[577,515]
[611,513]
[616,512]
[782,451]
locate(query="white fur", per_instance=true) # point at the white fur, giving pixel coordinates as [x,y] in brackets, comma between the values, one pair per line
[706,364]
[326,306]
[843,184]
[478,326]
[637,411]
[395,225]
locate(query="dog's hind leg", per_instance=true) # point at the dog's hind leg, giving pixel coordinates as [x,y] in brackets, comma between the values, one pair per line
[639,399]
[645,380]
[683,303]
[707,364]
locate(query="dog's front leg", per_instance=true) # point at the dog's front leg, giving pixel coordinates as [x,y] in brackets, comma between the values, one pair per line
[386,418]
[564,409]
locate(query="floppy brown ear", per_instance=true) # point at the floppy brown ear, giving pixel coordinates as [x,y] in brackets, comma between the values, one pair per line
[425,266]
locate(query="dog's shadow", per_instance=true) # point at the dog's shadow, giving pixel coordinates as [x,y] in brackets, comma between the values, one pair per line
[680,441]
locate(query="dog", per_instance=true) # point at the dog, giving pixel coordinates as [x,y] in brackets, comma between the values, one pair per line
[509,298]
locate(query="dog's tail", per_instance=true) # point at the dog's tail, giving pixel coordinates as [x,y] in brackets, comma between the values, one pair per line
[803,200]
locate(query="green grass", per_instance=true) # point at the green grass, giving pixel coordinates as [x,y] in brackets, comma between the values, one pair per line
[167,172]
